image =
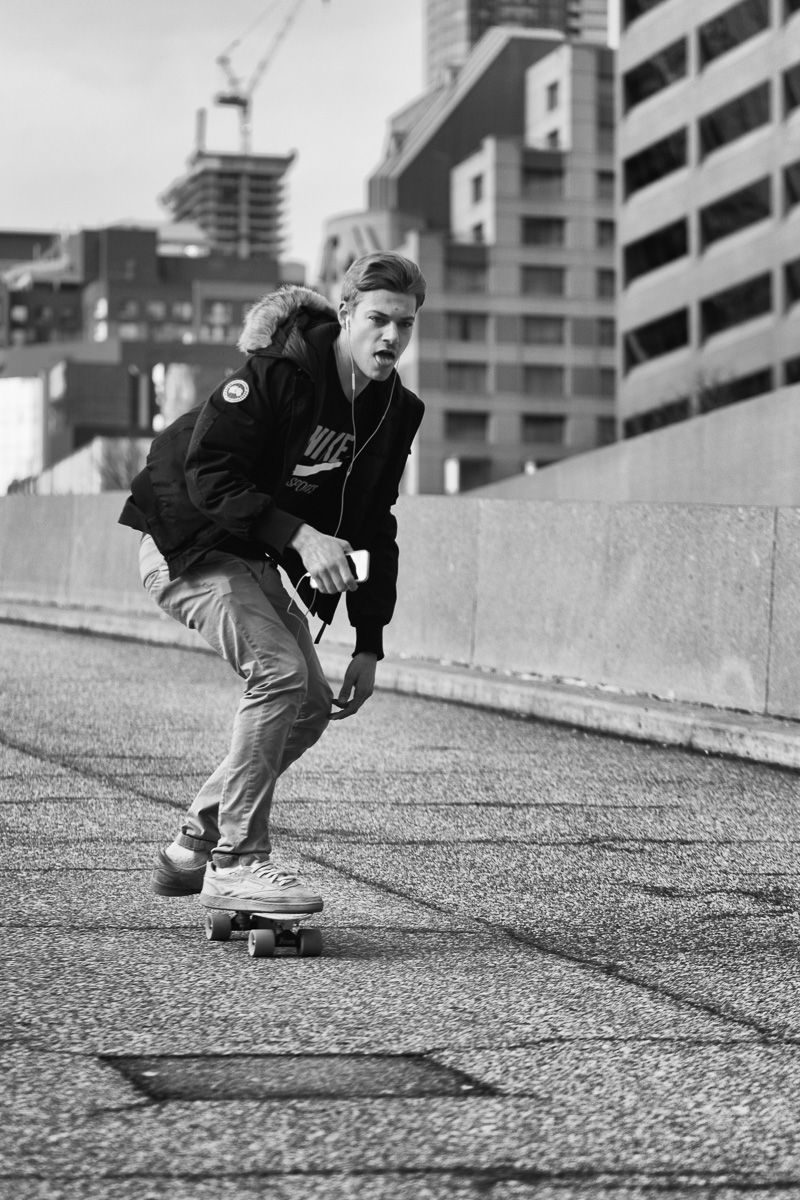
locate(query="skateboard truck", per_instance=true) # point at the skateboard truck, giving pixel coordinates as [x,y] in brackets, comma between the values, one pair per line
[266,932]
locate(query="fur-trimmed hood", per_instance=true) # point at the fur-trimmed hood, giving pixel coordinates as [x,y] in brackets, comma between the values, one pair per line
[274,320]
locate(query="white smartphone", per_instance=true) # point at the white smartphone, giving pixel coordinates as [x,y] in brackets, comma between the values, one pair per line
[358,561]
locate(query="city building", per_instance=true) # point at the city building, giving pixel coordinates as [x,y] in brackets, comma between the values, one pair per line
[709,164]
[23,245]
[113,332]
[502,190]
[236,199]
[453,27]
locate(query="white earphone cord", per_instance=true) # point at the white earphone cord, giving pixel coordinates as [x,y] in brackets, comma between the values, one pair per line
[356,451]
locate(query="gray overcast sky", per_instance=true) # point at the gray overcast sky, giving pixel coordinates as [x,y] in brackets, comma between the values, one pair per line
[98,102]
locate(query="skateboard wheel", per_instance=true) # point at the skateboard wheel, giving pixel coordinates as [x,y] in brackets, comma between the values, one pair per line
[218,926]
[309,943]
[261,943]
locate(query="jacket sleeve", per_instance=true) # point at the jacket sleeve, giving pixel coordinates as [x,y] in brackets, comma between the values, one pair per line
[240,433]
[371,607]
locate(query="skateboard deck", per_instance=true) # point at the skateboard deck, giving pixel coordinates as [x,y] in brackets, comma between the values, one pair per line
[266,931]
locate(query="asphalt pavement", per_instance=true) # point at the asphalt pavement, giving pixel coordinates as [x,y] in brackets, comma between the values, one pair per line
[556,964]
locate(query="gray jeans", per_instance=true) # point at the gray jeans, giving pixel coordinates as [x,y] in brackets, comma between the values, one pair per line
[245,614]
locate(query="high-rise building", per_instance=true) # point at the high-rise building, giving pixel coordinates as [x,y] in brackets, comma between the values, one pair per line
[709,147]
[502,190]
[453,27]
[236,199]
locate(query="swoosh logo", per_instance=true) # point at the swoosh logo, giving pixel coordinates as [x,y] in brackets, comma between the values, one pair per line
[316,468]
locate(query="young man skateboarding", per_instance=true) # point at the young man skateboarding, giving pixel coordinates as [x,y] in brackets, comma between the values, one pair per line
[295,460]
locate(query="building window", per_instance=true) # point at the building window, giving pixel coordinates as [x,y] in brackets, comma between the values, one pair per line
[466,426]
[552,96]
[604,113]
[604,185]
[606,331]
[477,189]
[542,183]
[656,338]
[543,331]
[735,305]
[553,139]
[732,391]
[731,28]
[170,332]
[632,9]
[477,232]
[655,74]
[606,431]
[218,312]
[131,331]
[156,310]
[791,89]
[791,185]
[608,381]
[466,327]
[127,310]
[791,368]
[791,274]
[182,310]
[658,248]
[604,233]
[543,380]
[464,474]
[465,277]
[734,119]
[543,231]
[657,418]
[606,282]
[655,161]
[547,430]
[466,377]
[735,212]
[594,381]
[543,281]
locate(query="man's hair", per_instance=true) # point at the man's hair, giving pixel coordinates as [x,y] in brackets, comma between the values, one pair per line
[383,272]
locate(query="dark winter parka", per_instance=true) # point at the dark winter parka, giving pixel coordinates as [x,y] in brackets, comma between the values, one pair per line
[212,474]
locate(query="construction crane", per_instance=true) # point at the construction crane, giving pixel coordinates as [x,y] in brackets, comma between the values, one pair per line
[238,94]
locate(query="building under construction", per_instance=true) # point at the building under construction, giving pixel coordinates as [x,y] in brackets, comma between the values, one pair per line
[236,199]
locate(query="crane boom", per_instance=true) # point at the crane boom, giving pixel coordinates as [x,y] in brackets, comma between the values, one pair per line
[238,95]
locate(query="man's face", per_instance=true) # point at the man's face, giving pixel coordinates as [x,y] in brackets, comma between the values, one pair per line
[377,331]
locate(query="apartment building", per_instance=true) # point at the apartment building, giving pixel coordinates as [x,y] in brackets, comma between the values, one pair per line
[709,205]
[503,192]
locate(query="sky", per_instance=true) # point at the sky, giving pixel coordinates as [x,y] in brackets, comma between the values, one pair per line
[98,101]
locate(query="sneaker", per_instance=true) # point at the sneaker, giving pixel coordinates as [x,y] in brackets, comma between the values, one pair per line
[259,886]
[168,879]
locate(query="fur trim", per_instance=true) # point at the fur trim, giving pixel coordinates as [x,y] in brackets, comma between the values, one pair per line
[264,317]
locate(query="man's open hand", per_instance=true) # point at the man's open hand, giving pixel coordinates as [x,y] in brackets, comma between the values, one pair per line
[359,679]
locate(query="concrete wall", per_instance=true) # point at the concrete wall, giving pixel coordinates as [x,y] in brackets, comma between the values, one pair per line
[747,453]
[696,603]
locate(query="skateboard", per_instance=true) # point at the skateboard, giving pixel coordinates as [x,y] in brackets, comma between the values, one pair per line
[266,932]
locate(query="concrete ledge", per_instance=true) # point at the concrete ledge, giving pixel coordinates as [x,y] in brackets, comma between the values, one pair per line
[694,727]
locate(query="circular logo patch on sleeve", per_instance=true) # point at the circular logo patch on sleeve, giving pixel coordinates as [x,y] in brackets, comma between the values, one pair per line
[235,391]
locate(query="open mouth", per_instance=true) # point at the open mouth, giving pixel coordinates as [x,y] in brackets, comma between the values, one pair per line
[385,358]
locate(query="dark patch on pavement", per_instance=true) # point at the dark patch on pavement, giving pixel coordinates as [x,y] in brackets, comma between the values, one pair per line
[294,1077]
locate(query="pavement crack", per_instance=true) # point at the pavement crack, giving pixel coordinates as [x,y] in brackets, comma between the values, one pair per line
[613,970]
[67,763]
